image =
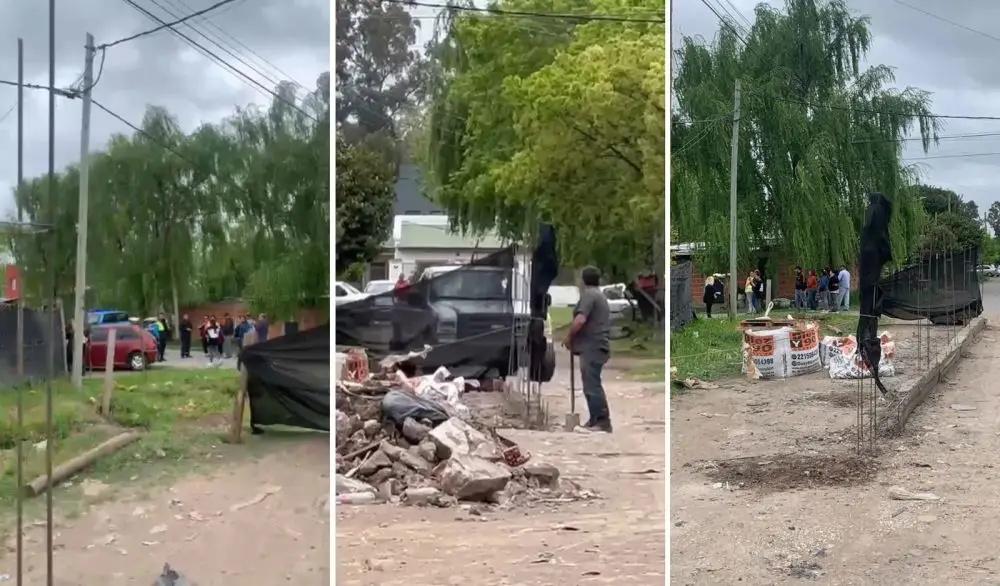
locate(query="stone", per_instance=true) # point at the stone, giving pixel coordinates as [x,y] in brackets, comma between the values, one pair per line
[373,463]
[545,474]
[421,496]
[380,476]
[415,462]
[371,427]
[342,427]
[428,451]
[414,431]
[391,450]
[355,421]
[458,437]
[471,478]
[357,498]
[386,490]
[345,485]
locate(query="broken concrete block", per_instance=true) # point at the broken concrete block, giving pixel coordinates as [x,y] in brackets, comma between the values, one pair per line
[342,425]
[428,451]
[380,476]
[391,450]
[421,496]
[357,498]
[458,437]
[471,478]
[345,485]
[375,462]
[414,431]
[415,462]
[546,475]
[371,427]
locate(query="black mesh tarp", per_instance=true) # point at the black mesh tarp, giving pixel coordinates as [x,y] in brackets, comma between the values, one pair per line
[288,380]
[681,310]
[36,343]
[466,314]
[943,288]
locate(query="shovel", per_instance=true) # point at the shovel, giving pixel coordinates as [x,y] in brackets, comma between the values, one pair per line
[572,418]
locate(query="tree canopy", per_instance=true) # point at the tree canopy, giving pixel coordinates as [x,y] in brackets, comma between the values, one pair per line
[817,133]
[239,208]
[555,120]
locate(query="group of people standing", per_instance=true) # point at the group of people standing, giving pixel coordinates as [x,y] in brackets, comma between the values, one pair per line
[830,289]
[219,337]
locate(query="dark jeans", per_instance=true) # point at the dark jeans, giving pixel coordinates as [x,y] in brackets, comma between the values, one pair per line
[708,309]
[185,344]
[161,346]
[813,302]
[591,365]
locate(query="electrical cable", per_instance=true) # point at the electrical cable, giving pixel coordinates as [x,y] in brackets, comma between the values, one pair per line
[221,61]
[165,25]
[523,13]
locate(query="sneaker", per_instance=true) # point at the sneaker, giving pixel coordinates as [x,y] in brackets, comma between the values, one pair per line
[603,426]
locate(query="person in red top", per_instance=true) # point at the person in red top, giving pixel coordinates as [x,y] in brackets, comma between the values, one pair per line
[812,287]
[401,288]
[400,292]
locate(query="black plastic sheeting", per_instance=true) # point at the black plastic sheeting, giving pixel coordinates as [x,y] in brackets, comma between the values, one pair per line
[466,315]
[876,251]
[943,288]
[288,380]
[36,344]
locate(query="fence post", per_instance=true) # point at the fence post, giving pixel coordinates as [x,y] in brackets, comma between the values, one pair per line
[20,339]
[239,404]
[109,375]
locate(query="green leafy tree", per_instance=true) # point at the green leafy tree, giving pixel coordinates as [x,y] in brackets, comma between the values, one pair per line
[365,196]
[993,218]
[557,121]
[813,141]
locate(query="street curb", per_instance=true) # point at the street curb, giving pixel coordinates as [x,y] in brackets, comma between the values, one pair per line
[897,414]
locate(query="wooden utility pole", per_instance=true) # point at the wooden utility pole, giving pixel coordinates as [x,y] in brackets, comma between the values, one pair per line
[734,278]
[82,216]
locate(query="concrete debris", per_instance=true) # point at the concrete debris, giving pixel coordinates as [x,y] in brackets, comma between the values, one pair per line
[458,437]
[898,493]
[383,456]
[468,477]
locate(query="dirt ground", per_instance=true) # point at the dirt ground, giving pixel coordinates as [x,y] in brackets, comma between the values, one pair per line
[127,535]
[617,538]
[767,487]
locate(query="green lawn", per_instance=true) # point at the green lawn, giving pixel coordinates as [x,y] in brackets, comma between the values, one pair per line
[710,349]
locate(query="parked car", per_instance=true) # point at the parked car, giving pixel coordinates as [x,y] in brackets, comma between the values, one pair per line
[106,317]
[346,293]
[135,348]
[988,270]
[376,287]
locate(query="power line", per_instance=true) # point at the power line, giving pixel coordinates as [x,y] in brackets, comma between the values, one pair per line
[945,137]
[945,20]
[8,112]
[553,15]
[957,156]
[166,25]
[876,112]
[139,130]
[221,61]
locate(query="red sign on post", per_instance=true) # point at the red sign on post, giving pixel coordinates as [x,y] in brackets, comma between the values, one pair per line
[11,282]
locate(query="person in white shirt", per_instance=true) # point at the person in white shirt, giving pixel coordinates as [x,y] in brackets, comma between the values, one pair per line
[844,293]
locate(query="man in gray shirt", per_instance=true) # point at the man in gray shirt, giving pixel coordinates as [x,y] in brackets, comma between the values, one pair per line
[588,339]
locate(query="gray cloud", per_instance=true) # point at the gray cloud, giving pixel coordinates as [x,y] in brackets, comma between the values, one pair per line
[957,66]
[160,69]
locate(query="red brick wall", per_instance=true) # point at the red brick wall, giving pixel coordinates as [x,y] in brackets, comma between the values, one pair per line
[307,318]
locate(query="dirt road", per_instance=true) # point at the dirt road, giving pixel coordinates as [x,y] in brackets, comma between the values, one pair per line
[130,533]
[617,539]
[841,529]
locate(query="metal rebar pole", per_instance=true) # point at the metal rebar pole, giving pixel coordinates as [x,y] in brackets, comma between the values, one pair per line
[19,434]
[50,274]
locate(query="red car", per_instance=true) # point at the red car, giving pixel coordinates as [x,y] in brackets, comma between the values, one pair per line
[135,348]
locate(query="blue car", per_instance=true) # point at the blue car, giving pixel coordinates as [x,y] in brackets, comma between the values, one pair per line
[107,317]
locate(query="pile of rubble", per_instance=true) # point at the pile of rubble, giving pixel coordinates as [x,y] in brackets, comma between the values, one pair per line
[409,440]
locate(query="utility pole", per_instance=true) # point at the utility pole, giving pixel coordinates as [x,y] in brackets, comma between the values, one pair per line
[20,315]
[734,278]
[82,218]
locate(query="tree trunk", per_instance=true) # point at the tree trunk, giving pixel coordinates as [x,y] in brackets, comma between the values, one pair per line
[173,291]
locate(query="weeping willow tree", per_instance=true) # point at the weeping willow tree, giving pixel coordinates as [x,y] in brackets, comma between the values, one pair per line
[817,133]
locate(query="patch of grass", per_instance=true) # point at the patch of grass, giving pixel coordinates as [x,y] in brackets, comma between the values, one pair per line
[651,371]
[169,405]
[710,349]
[561,317]
[644,342]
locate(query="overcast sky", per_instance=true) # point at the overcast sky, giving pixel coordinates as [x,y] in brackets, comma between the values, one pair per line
[160,69]
[958,66]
